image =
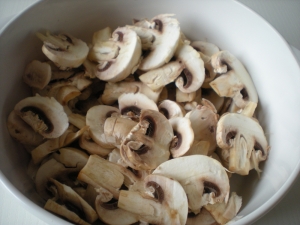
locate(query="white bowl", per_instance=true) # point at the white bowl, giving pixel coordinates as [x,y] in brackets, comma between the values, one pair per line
[226,23]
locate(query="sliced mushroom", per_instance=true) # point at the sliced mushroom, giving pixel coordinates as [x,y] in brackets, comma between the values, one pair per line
[126,60]
[203,218]
[206,183]
[132,104]
[204,121]
[22,132]
[183,136]
[45,115]
[234,80]
[164,203]
[66,196]
[171,109]
[243,141]
[214,98]
[95,119]
[205,47]
[52,145]
[147,144]
[159,40]
[113,91]
[77,120]
[185,97]
[37,74]
[64,50]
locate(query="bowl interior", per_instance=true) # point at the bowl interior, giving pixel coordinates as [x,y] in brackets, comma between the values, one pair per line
[227,24]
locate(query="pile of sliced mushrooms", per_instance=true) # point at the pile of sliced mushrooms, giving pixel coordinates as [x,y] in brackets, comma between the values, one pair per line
[141,126]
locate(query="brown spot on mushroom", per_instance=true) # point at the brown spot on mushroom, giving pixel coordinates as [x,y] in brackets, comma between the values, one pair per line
[187,78]
[151,127]
[165,112]
[41,115]
[210,187]
[244,93]
[158,191]
[258,146]
[68,39]
[105,67]
[177,141]
[158,25]
[120,36]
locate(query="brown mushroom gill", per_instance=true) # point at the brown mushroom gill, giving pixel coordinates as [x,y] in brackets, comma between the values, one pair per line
[244,93]
[210,187]
[110,205]
[187,78]
[165,112]
[41,115]
[135,110]
[158,191]
[177,141]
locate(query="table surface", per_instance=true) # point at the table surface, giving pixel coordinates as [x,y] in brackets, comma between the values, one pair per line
[282,15]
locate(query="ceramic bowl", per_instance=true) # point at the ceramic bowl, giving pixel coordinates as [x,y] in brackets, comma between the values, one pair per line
[227,23]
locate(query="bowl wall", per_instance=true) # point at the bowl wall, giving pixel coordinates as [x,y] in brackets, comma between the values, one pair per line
[227,24]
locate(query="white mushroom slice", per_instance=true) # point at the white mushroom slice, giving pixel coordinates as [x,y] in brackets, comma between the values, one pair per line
[205,47]
[60,210]
[59,168]
[127,59]
[183,136]
[193,75]
[133,103]
[95,119]
[225,212]
[234,80]
[206,183]
[22,132]
[87,143]
[204,119]
[52,145]
[58,74]
[210,74]
[147,144]
[184,97]
[113,91]
[203,218]
[64,50]
[171,109]
[244,141]
[110,213]
[37,74]
[214,98]
[165,204]
[45,115]
[68,197]
[160,41]
[189,106]
[101,35]
[90,69]
[77,120]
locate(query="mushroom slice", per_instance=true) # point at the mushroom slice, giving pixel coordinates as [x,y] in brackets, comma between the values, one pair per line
[22,132]
[225,212]
[243,141]
[205,47]
[209,70]
[37,74]
[203,218]
[160,41]
[87,143]
[193,75]
[110,213]
[234,80]
[61,167]
[45,115]
[147,144]
[185,97]
[206,183]
[95,119]
[204,119]
[64,50]
[183,136]
[60,210]
[171,109]
[68,197]
[52,145]
[113,91]
[214,98]
[77,120]
[165,202]
[132,104]
[127,59]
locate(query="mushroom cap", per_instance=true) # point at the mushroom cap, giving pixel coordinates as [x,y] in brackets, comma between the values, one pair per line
[147,144]
[234,81]
[245,140]
[171,109]
[166,38]
[95,119]
[205,47]
[164,203]
[45,115]
[203,178]
[127,60]
[183,136]
[194,73]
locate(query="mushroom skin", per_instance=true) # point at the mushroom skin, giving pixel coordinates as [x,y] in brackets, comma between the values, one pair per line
[165,201]
[64,50]
[206,183]
[234,80]
[127,59]
[45,115]
[242,141]
[147,144]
